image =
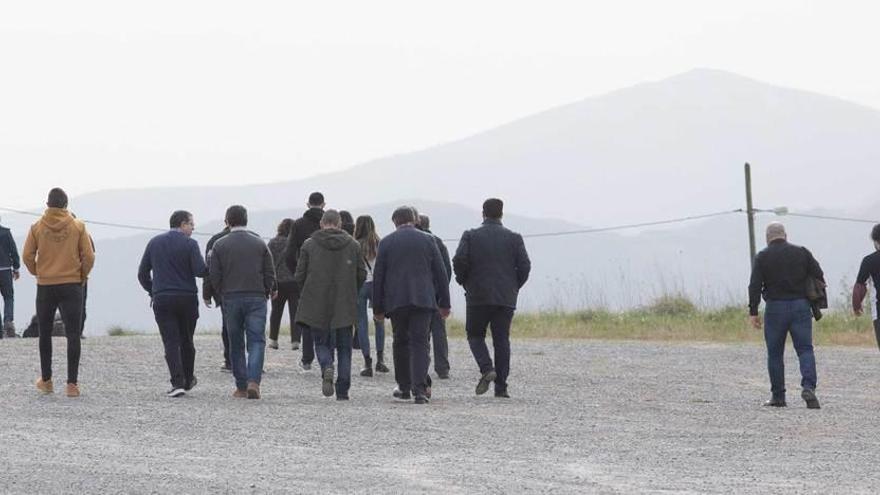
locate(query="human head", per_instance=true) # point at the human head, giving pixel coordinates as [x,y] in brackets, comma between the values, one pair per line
[331,220]
[364,226]
[316,200]
[493,208]
[284,227]
[404,215]
[347,222]
[236,216]
[183,221]
[57,198]
[424,222]
[775,232]
[875,236]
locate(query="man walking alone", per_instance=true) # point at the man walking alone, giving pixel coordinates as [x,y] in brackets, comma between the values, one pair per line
[242,271]
[168,271]
[59,253]
[329,273]
[409,284]
[492,265]
[780,273]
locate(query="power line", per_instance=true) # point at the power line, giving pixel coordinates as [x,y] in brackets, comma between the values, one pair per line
[829,217]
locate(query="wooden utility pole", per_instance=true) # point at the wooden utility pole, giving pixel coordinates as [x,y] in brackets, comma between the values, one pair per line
[750,213]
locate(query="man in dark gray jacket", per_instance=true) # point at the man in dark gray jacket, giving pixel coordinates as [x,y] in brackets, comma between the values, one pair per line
[242,271]
[438,324]
[10,264]
[492,265]
[409,284]
[330,271]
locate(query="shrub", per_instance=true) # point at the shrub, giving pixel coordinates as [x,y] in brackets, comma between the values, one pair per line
[672,305]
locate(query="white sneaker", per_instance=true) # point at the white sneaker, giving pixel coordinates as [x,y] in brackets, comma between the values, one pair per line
[273,344]
[175,392]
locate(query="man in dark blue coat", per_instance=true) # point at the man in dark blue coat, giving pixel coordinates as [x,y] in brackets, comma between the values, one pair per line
[168,271]
[492,265]
[409,284]
[10,263]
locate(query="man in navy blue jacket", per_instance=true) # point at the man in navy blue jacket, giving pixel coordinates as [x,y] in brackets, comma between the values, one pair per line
[409,284]
[168,272]
[492,265]
[10,263]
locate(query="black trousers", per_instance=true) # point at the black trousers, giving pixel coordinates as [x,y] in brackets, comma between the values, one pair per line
[176,316]
[411,327]
[82,326]
[8,292]
[296,331]
[441,343]
[498,318]
[286,291]
[68,298]
[308,343]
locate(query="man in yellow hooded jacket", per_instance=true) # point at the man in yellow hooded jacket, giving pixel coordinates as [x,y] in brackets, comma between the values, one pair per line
[58,251]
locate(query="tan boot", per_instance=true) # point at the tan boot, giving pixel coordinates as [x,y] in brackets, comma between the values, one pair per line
[45,387]
[239,394]
[253,390]
[72,390]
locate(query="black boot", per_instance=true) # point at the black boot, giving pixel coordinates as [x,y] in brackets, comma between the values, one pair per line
[368,367]
[380,363]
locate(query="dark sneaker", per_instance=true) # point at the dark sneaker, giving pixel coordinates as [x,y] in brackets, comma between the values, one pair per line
[809,397]
[421,399]
[294,346]
[444,375]
[381,368]
[175,392]
[341,397]
[367,372]
[226,368]
[327,383]
[253,390]
[305,366]
[775,403]
[192,383]
[399,394]
[273,344]
[502,394]
[485,380]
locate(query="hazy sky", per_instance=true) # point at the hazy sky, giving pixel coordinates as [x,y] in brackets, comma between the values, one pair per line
[97,95]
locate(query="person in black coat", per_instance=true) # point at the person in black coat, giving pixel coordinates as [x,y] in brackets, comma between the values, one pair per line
[302,229]
[492,265]
[10,264]
[211,297]
[409,285]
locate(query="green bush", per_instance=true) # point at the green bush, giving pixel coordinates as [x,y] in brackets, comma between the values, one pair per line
[672,305]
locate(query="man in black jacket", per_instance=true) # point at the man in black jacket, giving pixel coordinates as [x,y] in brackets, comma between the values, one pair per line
[302,229]
[10,264]
[780,273]
[438,324]
[492,265]
[409,285]
[212,297]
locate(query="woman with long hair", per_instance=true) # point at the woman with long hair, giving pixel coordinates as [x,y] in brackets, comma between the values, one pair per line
[365,234]
[286,286]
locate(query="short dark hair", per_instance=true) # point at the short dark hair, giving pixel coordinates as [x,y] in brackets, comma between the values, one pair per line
[493,208]
[875,233]
[57,198]
[236,216]
[316,199]
[178,218]
[402,215]
[424,222]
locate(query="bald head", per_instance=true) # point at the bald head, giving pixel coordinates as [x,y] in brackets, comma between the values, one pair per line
[776,231]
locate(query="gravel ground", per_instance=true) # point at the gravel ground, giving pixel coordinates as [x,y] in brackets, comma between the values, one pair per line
[585,417]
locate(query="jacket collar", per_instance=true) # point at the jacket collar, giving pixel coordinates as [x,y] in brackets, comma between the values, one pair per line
[491,221]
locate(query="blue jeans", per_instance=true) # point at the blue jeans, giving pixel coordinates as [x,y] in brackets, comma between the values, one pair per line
[340,340]
[781,318]
[246,320]
[363,322]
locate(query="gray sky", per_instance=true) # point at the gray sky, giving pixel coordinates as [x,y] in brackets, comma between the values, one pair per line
[97,95]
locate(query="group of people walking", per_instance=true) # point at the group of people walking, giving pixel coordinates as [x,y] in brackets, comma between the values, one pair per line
[327,268]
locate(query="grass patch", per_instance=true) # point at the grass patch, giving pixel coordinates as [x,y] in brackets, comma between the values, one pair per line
[118,331]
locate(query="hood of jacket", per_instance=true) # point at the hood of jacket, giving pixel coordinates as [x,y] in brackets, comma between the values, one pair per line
[56,219]
[314,214]
[332,239]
